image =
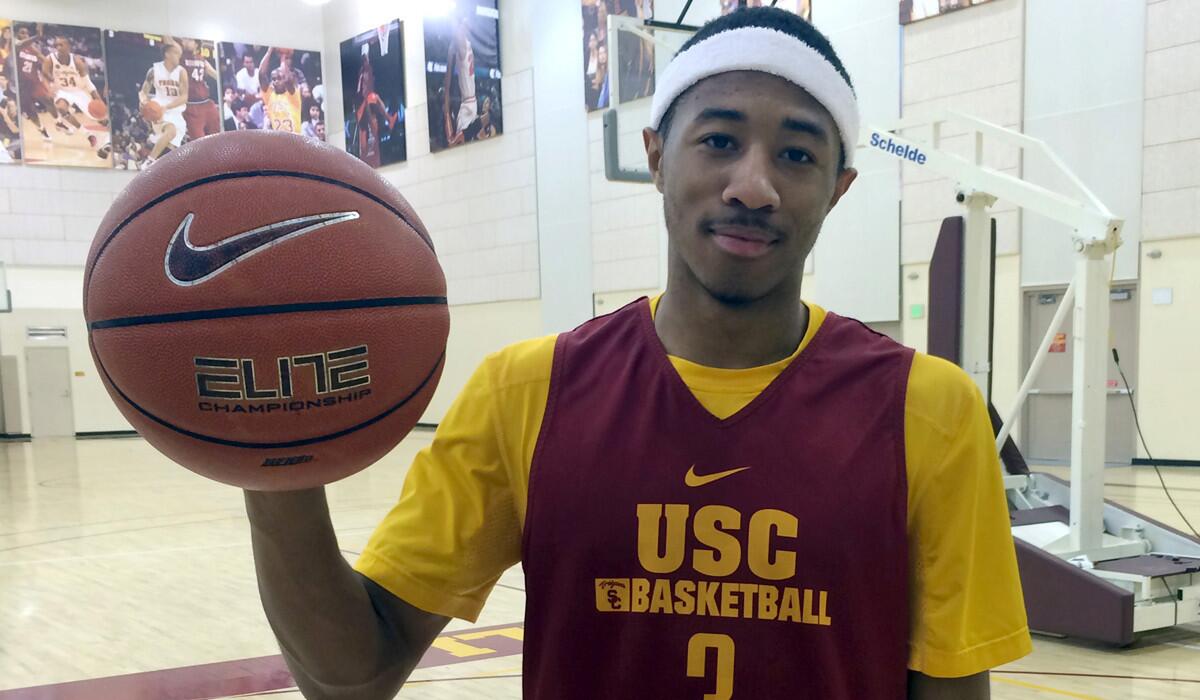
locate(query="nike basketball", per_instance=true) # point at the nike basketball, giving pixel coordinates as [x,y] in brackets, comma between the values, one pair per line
[266,310]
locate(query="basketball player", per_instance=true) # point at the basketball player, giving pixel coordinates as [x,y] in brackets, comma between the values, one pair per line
[280,96]
[723,492]
[32,92]
[201,114]
[169,81]
[73,86]
[460,58]
[370,116]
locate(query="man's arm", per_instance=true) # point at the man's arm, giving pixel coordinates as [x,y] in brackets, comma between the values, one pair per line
[343,636]
[144,93]
[922,687]
[265,65]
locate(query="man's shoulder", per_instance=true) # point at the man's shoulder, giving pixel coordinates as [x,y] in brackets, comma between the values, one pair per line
[940,393]
[524,363]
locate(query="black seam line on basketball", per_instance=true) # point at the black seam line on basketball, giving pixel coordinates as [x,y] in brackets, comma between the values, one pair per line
[294,443]
[274,309]
[235,176]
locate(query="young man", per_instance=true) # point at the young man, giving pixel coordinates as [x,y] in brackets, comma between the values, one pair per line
[201,115]
[168,80]
[33,93]
[460,58]
[69,76]
[720,493]
[280,95]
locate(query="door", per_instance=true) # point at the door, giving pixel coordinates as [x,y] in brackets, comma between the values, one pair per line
[1047,415]
[49,373]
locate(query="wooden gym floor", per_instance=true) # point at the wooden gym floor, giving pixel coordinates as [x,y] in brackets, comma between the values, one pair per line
[123,576]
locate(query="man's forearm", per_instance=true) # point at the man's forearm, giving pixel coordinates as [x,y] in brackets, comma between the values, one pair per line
[317,605]
[922,687]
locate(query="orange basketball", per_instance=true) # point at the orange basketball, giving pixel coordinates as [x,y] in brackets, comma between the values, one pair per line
[266,310]
[98,109]
[152,111]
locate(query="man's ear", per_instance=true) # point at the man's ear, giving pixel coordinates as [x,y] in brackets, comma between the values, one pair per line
[844,180]
[654,154]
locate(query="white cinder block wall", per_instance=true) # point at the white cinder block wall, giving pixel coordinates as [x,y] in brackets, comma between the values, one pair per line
[479,200]
[49,215]
[1168,335]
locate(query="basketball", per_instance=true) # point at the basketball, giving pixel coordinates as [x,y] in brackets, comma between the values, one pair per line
[98,109]
[152,111]
[266,310]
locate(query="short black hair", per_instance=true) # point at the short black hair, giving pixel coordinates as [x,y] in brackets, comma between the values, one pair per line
[769,18]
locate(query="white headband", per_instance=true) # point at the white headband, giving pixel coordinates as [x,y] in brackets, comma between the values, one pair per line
[766,51]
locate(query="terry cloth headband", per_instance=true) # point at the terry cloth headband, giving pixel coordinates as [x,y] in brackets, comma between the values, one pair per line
[767,51]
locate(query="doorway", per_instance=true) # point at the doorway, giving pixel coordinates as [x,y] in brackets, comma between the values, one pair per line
[1047,413]
[48,370]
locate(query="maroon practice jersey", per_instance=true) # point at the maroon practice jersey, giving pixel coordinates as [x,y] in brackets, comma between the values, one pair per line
[29,66]
[672,554]
[197,77]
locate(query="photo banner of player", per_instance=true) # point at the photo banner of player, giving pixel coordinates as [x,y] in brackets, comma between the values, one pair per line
[916,10]
[272,87]
[799,7]
[373,97]
[62,85]
[161,92]
[462,74]
[637,54]
[10,108]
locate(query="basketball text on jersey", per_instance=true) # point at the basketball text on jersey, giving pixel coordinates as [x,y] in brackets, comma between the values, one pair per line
[234,385]
[719,549]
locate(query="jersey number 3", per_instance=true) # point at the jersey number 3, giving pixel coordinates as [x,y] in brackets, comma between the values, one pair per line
[697,666]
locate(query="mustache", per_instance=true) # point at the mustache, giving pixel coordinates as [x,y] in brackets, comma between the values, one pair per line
[747,220]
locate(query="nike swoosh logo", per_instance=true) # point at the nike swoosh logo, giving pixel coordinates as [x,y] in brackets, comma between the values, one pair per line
[187,265]
[693,479]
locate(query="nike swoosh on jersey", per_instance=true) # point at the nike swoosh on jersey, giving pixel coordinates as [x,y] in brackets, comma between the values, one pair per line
[188,265]
[693,479]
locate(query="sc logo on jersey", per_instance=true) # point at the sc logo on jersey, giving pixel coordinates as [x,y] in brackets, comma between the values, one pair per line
[234,379]
[612,594]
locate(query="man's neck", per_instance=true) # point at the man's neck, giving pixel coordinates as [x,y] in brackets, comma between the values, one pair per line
[704,330]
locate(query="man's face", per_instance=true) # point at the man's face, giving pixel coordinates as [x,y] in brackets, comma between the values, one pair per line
[248,62]
[171,55]
[229,94]
[320,130]
[748,173]
[23,33]
[189,45]
[277,80]
[314,113]
[306,91]
[63,45]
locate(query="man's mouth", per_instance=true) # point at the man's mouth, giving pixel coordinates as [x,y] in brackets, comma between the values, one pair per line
[743,241]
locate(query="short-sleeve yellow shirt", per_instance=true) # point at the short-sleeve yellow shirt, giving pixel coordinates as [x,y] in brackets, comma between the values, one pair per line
[457,526]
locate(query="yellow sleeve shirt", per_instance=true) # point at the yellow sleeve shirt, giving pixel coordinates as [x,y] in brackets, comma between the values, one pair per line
[458,523]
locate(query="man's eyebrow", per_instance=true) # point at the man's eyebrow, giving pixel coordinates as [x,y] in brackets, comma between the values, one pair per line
[720,114]
[806,127]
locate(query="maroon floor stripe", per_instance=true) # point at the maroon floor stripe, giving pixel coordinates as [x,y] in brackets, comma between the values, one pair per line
[244,676]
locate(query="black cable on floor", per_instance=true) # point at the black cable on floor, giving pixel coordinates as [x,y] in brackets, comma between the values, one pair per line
[1150,457]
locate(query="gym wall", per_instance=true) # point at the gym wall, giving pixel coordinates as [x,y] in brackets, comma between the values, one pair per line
[48,215]
[479,200]
[533,237]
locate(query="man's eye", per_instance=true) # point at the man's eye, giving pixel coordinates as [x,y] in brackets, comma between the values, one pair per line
[797,156]
[720,142]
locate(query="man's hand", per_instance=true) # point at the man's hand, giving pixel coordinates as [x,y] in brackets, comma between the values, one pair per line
[922,687]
